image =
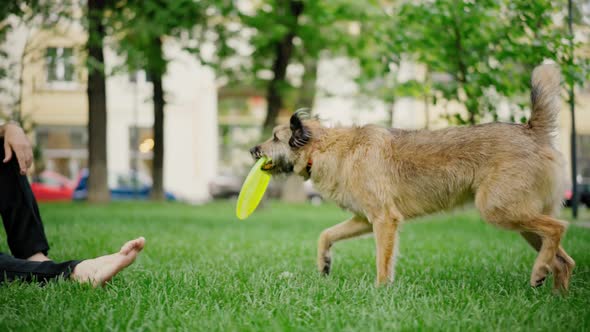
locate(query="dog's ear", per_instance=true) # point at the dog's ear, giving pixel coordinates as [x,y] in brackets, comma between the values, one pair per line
[300,134]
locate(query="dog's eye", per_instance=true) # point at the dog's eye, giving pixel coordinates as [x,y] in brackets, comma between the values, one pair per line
[275,138]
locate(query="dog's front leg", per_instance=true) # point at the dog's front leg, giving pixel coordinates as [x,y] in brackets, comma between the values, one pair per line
[353,227]
[385,230]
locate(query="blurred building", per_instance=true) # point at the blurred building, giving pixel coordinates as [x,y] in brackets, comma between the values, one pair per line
[203,140]
[53,98]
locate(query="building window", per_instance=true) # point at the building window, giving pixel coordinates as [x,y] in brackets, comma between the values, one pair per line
[60,64]
[141,146]
[63,148]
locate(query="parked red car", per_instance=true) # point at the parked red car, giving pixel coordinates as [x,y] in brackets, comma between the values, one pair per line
[584,193]
[52,186]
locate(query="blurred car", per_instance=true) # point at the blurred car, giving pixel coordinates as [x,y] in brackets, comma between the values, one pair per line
[583,193]
[123,186]
[229,186]
[225,186]
[52,186]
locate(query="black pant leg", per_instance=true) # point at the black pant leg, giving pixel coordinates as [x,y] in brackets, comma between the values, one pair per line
[20,269]
[19,210]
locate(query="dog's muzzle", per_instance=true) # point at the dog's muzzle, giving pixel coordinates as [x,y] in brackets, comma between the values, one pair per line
[255,152]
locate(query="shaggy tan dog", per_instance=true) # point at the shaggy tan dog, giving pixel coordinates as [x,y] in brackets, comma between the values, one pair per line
[384,176]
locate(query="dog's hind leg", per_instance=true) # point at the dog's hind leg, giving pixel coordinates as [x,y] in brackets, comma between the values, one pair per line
[548,233]
[519,206]
[562,265]
[550,230]
[351,228]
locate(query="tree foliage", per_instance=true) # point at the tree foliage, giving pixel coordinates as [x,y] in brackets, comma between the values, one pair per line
[480,45]
[263,42]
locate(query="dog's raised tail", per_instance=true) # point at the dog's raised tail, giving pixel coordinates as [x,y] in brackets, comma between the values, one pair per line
[545,103]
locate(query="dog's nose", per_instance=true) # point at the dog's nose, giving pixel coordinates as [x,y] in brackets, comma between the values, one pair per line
[255,152]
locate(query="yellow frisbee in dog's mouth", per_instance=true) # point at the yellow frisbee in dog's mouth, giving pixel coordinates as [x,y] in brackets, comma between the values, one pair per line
[253,188]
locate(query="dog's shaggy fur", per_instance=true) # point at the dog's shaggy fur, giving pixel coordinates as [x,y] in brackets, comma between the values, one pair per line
[384,176]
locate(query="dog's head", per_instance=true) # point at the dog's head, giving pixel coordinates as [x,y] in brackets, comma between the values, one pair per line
[286,147]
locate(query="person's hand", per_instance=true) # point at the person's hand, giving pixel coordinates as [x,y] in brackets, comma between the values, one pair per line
[16,140]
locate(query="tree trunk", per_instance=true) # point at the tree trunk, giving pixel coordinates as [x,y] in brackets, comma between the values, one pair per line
[307,90]
[18,117]
[157,72]
[391,113]
[426,112]
[472,106]
[426,98]
[472,120]
[98,191]
[284,51]
[293,190]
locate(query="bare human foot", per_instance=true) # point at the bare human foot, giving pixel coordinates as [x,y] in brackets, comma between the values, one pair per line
[100,270]
[38,257]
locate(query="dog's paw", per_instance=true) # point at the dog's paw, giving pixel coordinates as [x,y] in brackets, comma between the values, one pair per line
[383,282]
[324,266]
[539,275]
[538,282]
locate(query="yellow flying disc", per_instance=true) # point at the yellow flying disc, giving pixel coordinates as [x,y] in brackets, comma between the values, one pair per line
[252,190]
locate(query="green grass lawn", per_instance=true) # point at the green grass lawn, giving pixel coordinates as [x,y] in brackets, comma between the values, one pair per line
[202,269]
